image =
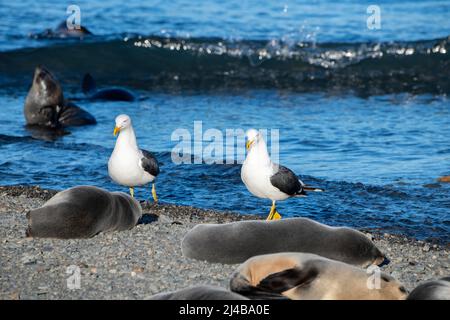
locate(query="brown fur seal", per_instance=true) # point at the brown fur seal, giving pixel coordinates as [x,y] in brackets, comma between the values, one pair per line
[444,179]
[202,292]
[237,241]
[304,276]
[45,104]
[83,212]
[432,290]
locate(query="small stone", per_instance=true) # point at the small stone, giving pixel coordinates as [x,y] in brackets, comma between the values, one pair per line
[93,270]
[28,260]
[426,248]
[138,269]
[14,296]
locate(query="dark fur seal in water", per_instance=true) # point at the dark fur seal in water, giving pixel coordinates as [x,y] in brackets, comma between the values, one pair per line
[203,292]
[235,242]
[304,276]
[45,104]
[112,94]
[62,31]
[432,290]
[83,212]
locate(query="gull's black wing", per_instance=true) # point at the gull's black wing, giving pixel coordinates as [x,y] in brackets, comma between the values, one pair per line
[149,163]
[286,181]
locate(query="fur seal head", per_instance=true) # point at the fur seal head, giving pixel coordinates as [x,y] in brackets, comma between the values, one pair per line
[44,100]
[46,87]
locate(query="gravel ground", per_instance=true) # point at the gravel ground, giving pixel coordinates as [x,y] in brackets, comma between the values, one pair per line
[138,263]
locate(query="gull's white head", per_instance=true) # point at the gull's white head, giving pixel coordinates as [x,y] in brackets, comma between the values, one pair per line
[252,136]
[123,121]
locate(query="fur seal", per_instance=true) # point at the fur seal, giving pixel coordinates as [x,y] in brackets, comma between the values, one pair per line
[112,94]
[432,290]
[235,242]
[444,179]
[305,276]
[45,104]
[203,292]
[62,31]
[83,212]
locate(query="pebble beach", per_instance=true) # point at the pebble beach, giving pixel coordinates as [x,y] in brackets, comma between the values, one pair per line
[146,260]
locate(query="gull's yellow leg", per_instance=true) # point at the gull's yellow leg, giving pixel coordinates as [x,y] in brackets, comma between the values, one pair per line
[155,197]
[273,214]
[132,192]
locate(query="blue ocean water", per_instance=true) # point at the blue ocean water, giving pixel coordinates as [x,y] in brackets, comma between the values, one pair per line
[362,113]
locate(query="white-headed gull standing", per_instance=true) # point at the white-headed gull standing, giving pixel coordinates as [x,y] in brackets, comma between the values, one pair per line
[128,165]
[266,179]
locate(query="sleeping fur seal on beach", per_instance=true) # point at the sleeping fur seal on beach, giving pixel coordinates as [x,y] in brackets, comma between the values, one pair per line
[45,104]
[83,212]
[305,276]
[432,290]
[235,242]
[202,292]
[112,94]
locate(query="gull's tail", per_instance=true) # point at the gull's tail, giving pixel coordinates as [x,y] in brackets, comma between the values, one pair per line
[302,191]
[313,189]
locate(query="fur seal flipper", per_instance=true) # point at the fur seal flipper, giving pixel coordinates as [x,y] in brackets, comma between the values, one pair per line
[237,241]
[83,212]
[45,104]
[72,115]
[203,292]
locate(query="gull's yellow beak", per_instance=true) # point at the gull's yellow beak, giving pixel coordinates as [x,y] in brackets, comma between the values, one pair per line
[248,144]
[116,131]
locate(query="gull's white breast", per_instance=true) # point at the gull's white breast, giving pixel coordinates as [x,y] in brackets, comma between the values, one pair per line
[124,168]
[256,177]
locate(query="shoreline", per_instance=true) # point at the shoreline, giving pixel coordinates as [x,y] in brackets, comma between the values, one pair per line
[147,259]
